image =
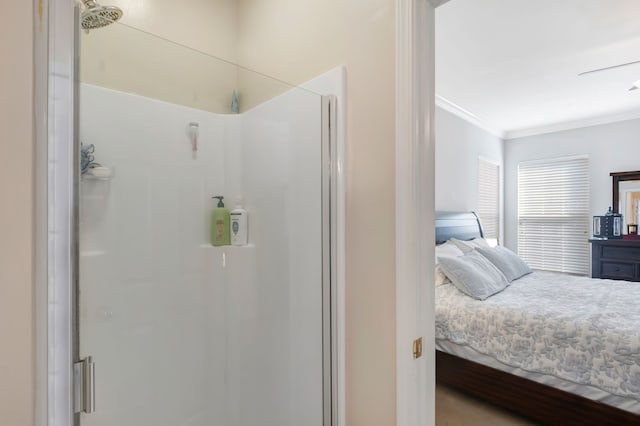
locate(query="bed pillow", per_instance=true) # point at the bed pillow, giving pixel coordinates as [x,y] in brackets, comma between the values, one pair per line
[467,246]
[474,275]
[509,263]
[447,249]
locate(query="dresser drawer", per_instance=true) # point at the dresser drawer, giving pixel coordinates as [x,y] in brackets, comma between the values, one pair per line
[619,270]
[614,252]
[615,259]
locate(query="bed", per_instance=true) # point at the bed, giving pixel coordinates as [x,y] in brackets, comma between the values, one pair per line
[571,353]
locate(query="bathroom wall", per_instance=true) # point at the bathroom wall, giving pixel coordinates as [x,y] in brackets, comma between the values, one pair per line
[16,215]
[154,51]
[265,44]
[183,53]
[227,334]
[135,56]
[206,25]
[295,41]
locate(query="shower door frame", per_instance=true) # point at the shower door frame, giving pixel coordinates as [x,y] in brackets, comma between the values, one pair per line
[55,60]
[57,230]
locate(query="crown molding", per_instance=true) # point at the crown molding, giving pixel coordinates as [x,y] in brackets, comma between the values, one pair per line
[469,117]
[571,125]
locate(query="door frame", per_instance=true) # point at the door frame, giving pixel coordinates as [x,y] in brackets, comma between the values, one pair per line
[415,210]
[415,378]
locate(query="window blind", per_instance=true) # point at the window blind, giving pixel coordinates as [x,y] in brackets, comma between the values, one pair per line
[553,214]
[489,198]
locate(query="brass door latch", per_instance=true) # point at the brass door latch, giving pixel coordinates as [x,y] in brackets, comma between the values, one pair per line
[417,348]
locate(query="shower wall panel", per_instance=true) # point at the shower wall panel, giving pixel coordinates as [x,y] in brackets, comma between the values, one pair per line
[277,345]
[183,333]
[149,305]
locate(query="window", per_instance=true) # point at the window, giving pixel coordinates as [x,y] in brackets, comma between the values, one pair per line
[489,199]
[553,214]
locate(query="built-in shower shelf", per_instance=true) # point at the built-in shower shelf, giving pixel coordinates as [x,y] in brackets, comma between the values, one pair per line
[106,173]
[89,177]
[248,246]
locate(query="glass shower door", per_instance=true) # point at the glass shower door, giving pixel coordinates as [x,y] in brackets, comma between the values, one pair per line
[184,333]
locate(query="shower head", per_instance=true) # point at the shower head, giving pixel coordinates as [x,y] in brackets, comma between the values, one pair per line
[96,16]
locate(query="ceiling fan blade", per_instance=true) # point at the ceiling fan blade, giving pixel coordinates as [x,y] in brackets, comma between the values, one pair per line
[609,68]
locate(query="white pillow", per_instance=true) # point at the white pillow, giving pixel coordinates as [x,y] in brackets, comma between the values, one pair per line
[474,275]
[509,263]
[467,246]
[447,249]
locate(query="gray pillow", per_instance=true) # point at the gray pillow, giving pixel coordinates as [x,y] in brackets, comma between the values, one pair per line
[446,249]
[509,263]
[474,275]
[467,246]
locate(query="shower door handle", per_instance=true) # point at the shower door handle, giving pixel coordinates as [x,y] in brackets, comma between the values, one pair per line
[84,395]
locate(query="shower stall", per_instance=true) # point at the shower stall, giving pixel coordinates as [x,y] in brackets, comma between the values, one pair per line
[168,329]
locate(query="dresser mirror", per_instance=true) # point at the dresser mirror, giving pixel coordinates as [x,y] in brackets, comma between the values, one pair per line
[626,196]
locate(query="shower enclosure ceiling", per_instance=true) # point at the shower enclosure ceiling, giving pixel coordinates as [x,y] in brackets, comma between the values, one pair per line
[182,332]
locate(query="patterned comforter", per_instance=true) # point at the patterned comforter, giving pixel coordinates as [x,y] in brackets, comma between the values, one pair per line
[579,329]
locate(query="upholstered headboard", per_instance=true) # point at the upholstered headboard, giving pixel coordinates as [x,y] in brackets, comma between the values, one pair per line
[460,225]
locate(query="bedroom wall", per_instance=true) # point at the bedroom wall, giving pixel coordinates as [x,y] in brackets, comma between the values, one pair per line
[459,144]
[612,147]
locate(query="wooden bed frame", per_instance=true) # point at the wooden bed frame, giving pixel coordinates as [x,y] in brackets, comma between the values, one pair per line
[536,401]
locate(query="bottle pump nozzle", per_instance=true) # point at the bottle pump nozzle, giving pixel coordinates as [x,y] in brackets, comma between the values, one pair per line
[220,202]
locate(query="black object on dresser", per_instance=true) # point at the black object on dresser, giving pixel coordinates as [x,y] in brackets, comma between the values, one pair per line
[615,259]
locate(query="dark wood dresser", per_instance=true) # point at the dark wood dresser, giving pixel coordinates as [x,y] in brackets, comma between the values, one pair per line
[615,259]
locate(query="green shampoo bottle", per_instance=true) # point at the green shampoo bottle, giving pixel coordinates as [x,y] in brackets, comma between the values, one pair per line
[220,235]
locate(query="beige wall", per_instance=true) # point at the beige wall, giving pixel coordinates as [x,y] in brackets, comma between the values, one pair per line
[197,68]
[205,25]
[136,58]
[16,215]
[296,41]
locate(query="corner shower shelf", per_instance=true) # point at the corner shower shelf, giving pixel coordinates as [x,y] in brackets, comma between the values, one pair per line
[89,176]
[206,245]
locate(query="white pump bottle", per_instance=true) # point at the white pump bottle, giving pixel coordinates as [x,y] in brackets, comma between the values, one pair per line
[239,236]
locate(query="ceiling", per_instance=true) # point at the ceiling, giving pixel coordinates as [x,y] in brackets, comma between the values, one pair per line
[512,66]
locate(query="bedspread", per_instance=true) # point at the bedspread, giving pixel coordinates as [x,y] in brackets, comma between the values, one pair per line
[579,329]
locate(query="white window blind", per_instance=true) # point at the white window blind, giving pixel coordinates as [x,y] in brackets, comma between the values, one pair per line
[489,198]
[553,214]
